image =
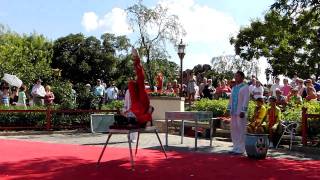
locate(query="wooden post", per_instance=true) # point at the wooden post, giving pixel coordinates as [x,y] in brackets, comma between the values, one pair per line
[304,126]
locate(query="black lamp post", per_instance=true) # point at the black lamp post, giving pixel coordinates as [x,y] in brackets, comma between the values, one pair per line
[318,34]
[316,66]
[181,53]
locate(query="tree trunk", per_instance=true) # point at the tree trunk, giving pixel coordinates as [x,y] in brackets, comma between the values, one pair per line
[149,71]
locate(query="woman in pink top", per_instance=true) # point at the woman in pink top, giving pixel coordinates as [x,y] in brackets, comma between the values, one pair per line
[223,89]
[49,97]
[286,87]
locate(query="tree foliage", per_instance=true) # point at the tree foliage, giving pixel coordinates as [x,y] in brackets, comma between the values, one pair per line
[83,59]
[167,68]
[293,7]
[287,40]
[119,47]
[27,56]
[155,27]
[229,64]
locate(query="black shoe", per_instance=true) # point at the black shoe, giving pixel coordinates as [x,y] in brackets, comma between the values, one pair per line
[231,152]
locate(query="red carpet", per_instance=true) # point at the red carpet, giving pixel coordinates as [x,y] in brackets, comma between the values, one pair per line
[35,160]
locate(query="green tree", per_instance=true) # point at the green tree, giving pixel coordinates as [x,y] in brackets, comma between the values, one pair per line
[168,69]
[289,43]
[120,47]
[229,63]
[292,7]
[82,59]
[27,56]
[155,27]
[117,45]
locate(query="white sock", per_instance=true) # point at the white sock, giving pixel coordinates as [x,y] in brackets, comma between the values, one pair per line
[133,136]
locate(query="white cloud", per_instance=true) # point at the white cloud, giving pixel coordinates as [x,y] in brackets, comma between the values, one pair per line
[208,30]
[112,22]
[116,22]
[202,23]
[90,21]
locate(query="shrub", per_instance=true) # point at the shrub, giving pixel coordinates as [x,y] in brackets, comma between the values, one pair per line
[13,119]
[294,113]
[218,107]
[169,94]
[63,120]
[117,104]
[85,98]
[64,96]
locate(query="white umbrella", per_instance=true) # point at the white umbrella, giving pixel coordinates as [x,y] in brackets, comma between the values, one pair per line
[13,80]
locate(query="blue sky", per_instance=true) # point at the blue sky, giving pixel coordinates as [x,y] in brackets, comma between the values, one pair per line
[209,23]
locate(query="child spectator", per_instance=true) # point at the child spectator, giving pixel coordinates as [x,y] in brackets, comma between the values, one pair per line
[294,98]
[5,97]
[310,90]
[274,116]
[49,97]
[22,97]
[280,100]
[169,88]
[255,126]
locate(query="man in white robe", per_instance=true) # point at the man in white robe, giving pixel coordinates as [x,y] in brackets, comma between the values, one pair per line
[238,106]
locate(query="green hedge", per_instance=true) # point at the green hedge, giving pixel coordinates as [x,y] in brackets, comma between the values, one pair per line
[117,104]
[12,119]
[219,108]
[38,119]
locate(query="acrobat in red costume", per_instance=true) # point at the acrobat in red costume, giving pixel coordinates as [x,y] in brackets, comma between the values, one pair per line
[140,102]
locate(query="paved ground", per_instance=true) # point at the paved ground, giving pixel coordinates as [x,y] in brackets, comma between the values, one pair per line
[150,141]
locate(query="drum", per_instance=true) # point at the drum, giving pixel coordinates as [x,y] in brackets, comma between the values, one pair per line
[257,145]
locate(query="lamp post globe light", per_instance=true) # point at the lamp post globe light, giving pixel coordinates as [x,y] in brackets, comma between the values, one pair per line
[181,53]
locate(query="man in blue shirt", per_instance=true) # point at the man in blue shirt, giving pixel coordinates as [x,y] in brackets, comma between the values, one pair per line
[315,85]
[99,91]
[238,106]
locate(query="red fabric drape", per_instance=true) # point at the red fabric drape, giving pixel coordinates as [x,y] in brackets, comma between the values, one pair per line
[139,98]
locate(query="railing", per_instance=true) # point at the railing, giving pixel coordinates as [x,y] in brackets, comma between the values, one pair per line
[304,124]
[48,120]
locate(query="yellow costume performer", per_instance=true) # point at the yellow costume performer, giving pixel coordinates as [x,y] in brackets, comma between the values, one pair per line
[255,126]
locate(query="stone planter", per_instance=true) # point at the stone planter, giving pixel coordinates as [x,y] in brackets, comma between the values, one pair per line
[162,104]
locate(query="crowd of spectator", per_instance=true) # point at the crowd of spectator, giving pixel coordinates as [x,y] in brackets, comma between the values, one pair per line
[14,96]
[40,95]
[293,93]
[296,92]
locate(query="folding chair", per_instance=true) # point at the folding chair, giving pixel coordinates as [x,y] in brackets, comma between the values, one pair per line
[128,129]
[289,128]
